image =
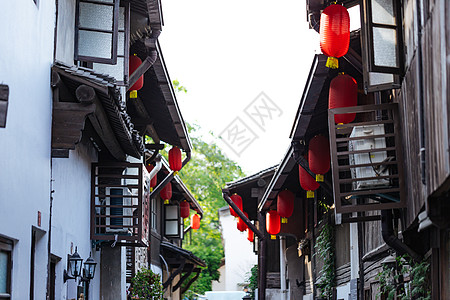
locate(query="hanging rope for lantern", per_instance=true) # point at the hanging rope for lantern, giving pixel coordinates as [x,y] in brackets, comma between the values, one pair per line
[319,158]
[334,33]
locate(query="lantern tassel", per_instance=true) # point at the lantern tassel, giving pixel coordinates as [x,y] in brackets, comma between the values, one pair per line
[133,94]
[309,194]
[151,189]
[284,220]
[166,201]
[332,63]
[273,237]
[319,177]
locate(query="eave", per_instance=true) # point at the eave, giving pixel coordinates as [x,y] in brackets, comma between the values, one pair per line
[181,188]
[250,188]
[107,114]
[159,109]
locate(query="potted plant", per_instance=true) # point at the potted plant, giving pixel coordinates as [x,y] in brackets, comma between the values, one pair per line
[146,285]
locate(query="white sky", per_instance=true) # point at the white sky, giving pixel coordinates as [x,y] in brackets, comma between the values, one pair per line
[226,53]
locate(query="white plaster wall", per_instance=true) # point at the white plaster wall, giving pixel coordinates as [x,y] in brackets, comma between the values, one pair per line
[26,54]
[239,256]
[343,291]
[220,285]
[71,214]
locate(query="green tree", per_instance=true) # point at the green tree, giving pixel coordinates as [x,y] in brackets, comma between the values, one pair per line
[205,176]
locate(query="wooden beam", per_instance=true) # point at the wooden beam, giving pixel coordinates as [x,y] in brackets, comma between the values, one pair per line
[64,95]
[172,276]
[184,277]
[4,95]
[188,285]
[67,124]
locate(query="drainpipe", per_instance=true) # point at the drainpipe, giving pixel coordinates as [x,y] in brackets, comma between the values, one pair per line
[236,209]
[387,231]
[262,264]
[420,96]
[283,290]
[150,43]
[157,167]
[170,176]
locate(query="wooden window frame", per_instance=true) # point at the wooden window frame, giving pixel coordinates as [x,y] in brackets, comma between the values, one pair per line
[7,247]
[115,33]
[178,219]
[367,47]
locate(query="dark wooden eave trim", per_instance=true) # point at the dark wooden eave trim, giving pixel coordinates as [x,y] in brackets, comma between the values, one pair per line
[193,279]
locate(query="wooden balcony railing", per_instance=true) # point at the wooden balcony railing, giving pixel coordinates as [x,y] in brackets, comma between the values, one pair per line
[120,203]
[366,159]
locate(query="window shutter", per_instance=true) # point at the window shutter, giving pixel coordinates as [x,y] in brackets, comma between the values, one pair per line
[381,44]
[96,31]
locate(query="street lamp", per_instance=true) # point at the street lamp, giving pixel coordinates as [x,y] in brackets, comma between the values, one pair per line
[74,263]
[89,269]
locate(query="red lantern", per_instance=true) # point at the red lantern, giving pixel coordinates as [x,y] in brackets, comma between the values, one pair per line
[343,93]
[154,180]
[166,193]
[307,182]
[273,224]
[334,33]
[175,159]
[319,158]
[285,205]
[241,226]
[134,63]
[184,209]
[238,201]
[250,235]
[195,221]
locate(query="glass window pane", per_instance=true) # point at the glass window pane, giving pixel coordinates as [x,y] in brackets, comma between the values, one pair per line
[116,71]
[383,12]
[355,19]
[121,18]
[385,47]
[121,44]
[3,271]
[96,16]
[172,227]
[106,1]
[171,212]
[380,78]
[97,44]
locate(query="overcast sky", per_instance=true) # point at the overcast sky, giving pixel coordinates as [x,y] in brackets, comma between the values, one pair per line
[244,64]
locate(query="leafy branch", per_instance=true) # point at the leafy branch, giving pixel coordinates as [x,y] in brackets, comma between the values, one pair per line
[325,250]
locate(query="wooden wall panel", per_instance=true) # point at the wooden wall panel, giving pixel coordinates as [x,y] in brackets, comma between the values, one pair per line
[434,74]
[409,103]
